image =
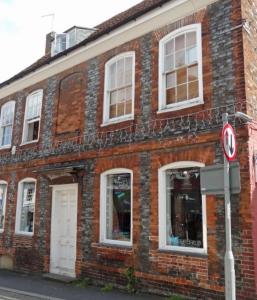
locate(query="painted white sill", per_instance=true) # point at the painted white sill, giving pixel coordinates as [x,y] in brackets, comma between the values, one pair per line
[5,147]
[116,243]
[24,233]
[28,143]
[184,250]
[180,106]
[117,120]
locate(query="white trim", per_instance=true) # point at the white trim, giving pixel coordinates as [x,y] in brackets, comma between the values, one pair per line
[106,106]
[103,188]
[162,208]
[18,207]
[3,182]
[162,106]
[166,14]
[25,122]
[55,188]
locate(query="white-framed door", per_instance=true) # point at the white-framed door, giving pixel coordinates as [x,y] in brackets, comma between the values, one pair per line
[64,230]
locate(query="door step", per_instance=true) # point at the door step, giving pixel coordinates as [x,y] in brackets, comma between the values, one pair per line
[60,278]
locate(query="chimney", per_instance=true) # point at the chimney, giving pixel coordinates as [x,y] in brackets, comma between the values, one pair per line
[49,40]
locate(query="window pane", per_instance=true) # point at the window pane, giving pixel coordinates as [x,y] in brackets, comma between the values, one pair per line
[113,97]
[169,47]
[120,73]
[128,93]
[169,63]
[191,39]
[180,42]
[128,70]
[182,92]
[118,207]
[181,76]
[171,80]
[128,107]
[7,114]
[121,95]
[33,129]
[113,111]
[7,135]
[112,81]
[120,109]
[193,73]
[2,204]
[191,55]
[27,207]
[193,90]
[184,208]
[171,95]
[33,106]
[180,59]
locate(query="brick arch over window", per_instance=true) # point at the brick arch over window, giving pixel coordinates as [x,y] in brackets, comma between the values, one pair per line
[70,104]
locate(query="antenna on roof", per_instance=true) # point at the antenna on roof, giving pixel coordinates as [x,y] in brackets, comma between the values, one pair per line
[52,20]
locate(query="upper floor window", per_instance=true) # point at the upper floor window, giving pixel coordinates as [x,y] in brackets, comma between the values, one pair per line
[26,206]
[116,207]
[32,117]
[7,117]
[119,88]
[182,208]
[180,70]
[3,188]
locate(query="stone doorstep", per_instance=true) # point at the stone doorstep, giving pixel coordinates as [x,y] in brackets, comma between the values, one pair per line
[59,278]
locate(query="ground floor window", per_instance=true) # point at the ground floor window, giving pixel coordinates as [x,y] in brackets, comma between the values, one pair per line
[116,207]
[3,188]
[26,206]
[182,209]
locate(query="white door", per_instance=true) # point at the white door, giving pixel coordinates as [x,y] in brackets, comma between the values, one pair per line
[64,230]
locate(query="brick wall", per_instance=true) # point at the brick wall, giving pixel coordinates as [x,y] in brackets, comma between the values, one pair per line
[201,276]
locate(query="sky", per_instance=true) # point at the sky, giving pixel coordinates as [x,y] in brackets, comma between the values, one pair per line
[23,26]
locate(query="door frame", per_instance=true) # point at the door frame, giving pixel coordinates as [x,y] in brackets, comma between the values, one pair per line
[55,188]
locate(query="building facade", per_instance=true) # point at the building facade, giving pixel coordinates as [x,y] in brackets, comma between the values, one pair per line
[103,142]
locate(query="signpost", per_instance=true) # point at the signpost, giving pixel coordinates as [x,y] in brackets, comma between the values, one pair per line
[229,146]
[223,180]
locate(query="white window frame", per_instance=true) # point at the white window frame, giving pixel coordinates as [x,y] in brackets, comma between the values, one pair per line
[103,194]
[25,122]
[162,204]
[2,182]
[12,102]
[106,106]
[163,107]
[19,206]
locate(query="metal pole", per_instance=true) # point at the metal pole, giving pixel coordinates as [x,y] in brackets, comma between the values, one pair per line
[230,289]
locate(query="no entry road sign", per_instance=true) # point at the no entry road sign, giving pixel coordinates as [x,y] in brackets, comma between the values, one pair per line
[228,140]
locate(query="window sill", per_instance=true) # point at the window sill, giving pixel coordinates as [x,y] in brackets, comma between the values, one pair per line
[116,121]
[28,143]
[180,106]
[114,246]
[5,147]
[111,243]
[185,252]
[25,234]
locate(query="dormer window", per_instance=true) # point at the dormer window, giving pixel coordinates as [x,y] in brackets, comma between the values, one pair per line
[60,43]
[32,117]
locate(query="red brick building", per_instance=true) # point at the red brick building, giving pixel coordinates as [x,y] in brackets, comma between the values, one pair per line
[102,141]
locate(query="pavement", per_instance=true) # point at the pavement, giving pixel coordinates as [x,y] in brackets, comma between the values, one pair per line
[16,286]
